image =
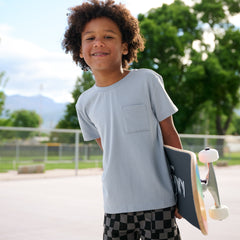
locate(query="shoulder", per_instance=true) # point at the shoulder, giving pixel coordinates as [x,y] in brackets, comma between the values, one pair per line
[147,75]
[85,97]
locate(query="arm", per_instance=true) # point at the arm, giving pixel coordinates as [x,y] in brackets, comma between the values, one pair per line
[169,133]
[171,138]
[98,140]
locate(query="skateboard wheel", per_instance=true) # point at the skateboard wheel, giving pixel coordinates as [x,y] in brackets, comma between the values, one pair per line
[208,155]
[218,213]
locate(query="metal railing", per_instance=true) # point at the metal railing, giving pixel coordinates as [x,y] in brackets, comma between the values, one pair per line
[64,146]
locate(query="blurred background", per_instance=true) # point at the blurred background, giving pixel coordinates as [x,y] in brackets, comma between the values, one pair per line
[194,45]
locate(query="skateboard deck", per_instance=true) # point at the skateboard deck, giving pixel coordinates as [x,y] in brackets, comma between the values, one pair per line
[187,186]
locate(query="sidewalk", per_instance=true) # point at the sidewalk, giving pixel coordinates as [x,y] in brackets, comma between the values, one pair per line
[13,175]
[52,206]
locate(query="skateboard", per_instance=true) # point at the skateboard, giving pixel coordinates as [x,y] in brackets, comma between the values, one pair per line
[189,188]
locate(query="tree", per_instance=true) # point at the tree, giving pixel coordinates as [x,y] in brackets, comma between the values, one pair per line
[215,12]
[222,74]
[236,125]
[25,118]
[170,32]
[223,63]
[3,82]
[70,120]
[203,81]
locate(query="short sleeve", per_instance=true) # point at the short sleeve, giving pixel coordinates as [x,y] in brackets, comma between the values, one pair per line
[161,103]
[88,129]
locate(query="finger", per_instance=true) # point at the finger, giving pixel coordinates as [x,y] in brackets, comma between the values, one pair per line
[177,215]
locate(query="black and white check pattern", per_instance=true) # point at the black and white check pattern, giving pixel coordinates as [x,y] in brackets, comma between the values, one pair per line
[147,225]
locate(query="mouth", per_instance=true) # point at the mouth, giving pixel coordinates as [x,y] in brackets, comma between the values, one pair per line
[99,54]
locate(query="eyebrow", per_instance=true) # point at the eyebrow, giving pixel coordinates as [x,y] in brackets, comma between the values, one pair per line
[90,32]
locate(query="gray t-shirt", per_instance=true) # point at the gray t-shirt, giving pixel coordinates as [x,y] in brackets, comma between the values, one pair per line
[126,117]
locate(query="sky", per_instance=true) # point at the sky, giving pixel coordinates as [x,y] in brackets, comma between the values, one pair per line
[31,55]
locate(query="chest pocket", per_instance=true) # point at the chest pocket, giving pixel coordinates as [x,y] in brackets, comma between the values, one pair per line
[135,118]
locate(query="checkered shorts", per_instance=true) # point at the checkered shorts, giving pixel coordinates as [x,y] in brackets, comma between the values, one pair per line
[147,225]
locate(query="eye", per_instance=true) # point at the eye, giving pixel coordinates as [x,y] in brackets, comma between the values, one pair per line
[108,37]
[90,38]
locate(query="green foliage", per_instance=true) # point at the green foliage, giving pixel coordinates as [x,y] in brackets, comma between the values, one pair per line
[203,82]
[223,63]
[215,12]
[70,120]
[170,32]
[3,82]
[235,125]
[223,78]
[2,99]
[212,11]
[233,6]
[24,118]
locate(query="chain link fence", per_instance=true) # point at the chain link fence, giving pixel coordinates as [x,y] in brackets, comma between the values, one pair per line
[65,149]
[54,148]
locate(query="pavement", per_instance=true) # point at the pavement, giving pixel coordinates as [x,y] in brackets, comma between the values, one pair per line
[57,205]
[56,173]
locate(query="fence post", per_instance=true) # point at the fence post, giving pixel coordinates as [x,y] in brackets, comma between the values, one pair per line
[45,153]
[86,150]
[17,152]
[76,152]
[205,142]
[60,152]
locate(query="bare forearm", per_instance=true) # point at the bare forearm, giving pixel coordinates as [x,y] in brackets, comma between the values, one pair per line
[98,140]
[172,139]
[170,134]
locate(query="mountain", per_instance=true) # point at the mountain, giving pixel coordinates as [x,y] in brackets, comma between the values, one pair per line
[49,110]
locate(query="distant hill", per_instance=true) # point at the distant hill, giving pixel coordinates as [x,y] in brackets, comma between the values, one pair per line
[50,111]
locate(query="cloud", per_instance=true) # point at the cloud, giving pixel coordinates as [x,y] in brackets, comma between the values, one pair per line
[33,70]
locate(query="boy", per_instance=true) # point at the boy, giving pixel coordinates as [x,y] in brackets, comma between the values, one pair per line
[129,114]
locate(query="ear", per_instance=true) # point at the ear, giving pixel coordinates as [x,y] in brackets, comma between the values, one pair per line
[124,48]
[80,54]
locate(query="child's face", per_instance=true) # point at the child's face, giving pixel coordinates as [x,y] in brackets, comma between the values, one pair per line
[102,46]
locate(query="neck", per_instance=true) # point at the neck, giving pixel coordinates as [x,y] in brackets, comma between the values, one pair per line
[104,79]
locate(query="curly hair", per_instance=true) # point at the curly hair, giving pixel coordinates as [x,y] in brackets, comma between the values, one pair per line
[80,15]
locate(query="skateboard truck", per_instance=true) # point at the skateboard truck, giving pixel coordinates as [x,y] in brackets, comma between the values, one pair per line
[208,156]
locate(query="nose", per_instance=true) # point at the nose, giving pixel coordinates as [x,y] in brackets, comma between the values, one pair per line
[98,43]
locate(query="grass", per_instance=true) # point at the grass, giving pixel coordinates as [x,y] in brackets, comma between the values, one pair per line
[81,165]
[232,159]
[53,162]
[50,166]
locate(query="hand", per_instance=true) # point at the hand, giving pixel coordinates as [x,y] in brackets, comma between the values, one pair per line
[177,215]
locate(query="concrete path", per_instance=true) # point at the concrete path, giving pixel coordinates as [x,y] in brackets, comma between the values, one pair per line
[71,208]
